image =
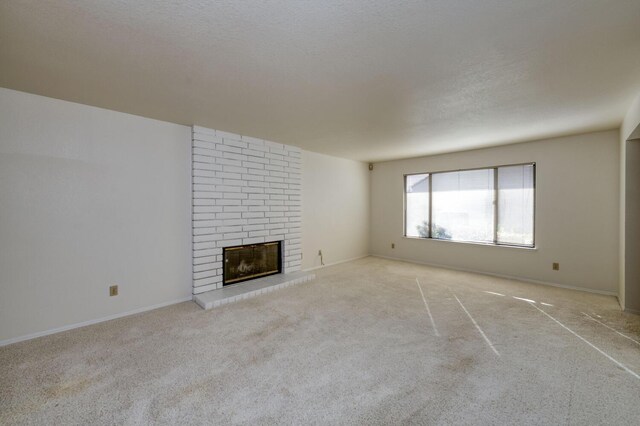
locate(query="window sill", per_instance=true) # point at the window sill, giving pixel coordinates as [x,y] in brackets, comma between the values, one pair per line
[534,248]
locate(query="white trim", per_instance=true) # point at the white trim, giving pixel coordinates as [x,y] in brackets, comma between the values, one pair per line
[337,263]
[510,277]
[91,322]
[475,243]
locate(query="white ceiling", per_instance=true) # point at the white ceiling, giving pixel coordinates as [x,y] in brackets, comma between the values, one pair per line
[362,79]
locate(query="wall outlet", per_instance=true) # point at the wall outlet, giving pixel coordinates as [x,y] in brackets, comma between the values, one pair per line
[113,290]
[319,252]
[393,245]
[556,266]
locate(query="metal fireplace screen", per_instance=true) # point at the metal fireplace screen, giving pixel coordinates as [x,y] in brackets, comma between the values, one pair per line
[243,263]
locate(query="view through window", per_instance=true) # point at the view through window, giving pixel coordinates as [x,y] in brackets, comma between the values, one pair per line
[493,205]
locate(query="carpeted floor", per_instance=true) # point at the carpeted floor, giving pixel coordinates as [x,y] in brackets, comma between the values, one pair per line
[355,346]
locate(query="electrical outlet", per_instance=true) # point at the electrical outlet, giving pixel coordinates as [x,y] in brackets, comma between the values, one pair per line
[113,290]
[556,266]
[319,252]
[393,245]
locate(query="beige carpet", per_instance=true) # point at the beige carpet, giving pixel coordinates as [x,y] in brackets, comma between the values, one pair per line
[355,346]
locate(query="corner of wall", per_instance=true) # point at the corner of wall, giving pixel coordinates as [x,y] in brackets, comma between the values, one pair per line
[336,211]
[630,123]
[621,242]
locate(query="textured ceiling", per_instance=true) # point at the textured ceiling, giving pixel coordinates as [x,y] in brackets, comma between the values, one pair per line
[362,79]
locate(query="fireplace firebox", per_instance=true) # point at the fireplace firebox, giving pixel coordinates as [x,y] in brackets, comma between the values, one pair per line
[242,263]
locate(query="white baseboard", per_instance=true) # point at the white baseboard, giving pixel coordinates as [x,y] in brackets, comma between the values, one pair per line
[510,277]
[91,322]
[336,263]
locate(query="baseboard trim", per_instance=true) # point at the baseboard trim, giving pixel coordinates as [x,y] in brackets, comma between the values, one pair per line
[336,263]
[510,277]
[632,311]
[91,322]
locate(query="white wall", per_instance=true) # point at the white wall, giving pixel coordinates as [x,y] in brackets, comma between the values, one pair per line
[631,122]
[632,228]
[89,198]
[577,218]
[335,209]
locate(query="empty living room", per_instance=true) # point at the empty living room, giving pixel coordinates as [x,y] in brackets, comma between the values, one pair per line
[358,212]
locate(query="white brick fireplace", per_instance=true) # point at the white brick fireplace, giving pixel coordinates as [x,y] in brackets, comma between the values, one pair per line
[245,191]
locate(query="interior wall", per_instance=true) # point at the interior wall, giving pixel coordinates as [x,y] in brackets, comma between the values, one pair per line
[577,200]
[622,220]
[335,209]
[90,198]
[629,214]
[632,228]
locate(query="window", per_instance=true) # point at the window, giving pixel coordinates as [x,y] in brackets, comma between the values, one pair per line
[492,205]
[417,199]
[515,205]
[463,205]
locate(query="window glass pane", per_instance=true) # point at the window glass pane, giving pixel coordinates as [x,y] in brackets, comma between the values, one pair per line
[515,205]
[417,198]
[463,205]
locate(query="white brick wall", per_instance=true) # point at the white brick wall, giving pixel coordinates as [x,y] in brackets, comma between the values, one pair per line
[245,191]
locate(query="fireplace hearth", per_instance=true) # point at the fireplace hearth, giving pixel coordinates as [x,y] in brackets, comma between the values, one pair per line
[247,262]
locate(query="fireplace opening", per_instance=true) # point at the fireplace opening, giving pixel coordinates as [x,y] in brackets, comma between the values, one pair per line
[242,263]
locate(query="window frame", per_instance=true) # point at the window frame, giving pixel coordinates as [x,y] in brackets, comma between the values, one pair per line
[496,194]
